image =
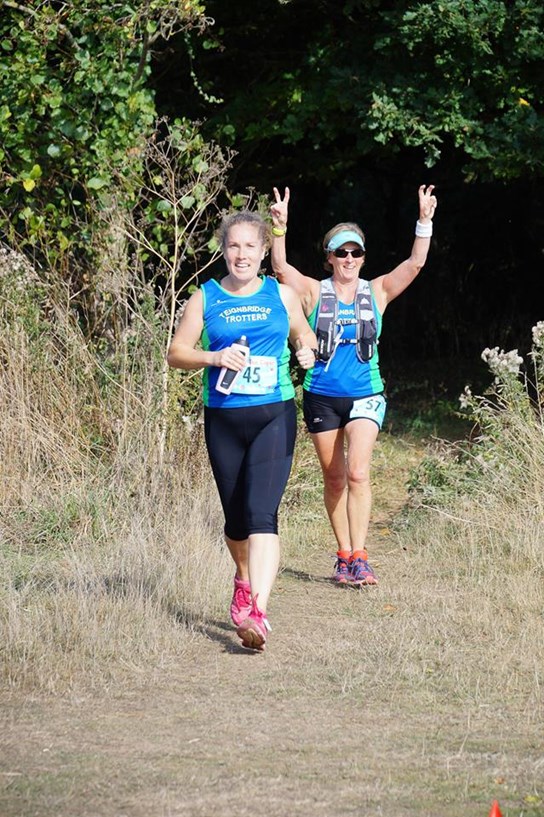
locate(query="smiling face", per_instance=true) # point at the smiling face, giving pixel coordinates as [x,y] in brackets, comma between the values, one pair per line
[349,267]
[347,235]
[244,251]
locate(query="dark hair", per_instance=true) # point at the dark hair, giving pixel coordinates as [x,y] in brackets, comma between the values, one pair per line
[243,217]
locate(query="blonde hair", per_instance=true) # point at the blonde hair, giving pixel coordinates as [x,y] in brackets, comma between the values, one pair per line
[340,228]
[243,217]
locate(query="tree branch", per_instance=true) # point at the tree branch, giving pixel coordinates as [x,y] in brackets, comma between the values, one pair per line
[33,13]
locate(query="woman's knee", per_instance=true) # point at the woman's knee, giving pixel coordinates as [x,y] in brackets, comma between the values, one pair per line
[358,476]
[334,481]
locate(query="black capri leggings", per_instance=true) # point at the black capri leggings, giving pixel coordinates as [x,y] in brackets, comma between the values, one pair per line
[251,452]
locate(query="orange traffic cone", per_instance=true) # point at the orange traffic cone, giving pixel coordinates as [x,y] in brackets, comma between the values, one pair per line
[495,810]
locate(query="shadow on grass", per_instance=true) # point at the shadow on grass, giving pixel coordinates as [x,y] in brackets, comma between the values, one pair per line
[225,634]
[302,576]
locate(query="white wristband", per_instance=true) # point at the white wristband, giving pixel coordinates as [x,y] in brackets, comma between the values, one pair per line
[424,230]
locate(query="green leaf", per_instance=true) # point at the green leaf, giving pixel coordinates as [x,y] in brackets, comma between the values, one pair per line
[200,165]
[237,200]
[53,151]
[163,206]
[63,241]
[187,202]
[82,133]
[96,183]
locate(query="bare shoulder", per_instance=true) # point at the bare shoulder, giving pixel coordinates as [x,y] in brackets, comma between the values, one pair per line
[192,315]
[309,294]
[389,286]
[379,293]
[195,304]
[288,295]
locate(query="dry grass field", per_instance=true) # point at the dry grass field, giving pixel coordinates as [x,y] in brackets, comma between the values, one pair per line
[124,691]
[131,696]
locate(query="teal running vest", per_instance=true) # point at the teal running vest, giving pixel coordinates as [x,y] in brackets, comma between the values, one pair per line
[344,375]
[263,319]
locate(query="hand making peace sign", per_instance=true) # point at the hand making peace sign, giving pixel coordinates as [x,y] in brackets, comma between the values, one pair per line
[279,210]
[427,202]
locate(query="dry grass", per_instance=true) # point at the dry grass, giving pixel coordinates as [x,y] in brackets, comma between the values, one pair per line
[113,588]
[460,614]
[109,554]
[115,582]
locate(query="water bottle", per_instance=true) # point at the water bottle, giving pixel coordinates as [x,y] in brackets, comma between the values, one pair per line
[226,378]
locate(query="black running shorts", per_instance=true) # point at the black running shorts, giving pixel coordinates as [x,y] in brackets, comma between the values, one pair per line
[322,413]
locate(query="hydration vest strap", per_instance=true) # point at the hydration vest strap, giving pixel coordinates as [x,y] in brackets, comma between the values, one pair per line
[327,315]
[327,321]
[367,326]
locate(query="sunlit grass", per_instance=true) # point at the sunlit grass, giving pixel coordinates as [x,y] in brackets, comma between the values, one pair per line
[112,552]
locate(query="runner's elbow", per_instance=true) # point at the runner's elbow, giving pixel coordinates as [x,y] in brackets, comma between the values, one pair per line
[416,265]
[278,269]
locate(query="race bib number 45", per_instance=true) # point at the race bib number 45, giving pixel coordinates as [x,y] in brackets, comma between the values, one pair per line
[259,377]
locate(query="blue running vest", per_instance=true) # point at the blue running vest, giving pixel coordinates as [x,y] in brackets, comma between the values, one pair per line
[346,375]
[263,319]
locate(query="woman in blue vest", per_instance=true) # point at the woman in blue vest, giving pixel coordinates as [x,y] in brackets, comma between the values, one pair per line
[250,431]
[344,406]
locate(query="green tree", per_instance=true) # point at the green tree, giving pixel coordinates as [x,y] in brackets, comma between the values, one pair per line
[339,81]
[75,104]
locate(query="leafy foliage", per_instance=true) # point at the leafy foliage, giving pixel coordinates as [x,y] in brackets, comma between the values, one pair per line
[366,76]
[166,239]
[75,104]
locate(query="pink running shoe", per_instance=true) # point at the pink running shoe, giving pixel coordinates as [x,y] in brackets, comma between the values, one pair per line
[254,629]
[360,572]
[240,606]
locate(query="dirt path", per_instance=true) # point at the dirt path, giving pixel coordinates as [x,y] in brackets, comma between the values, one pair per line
[331,720]
[228,732]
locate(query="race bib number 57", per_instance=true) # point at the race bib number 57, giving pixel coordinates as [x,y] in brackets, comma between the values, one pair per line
[369,408]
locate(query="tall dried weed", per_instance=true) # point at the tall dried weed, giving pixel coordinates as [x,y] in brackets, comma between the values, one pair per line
[110,552]
[474,530]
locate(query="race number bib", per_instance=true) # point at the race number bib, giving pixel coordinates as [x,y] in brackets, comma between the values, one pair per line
[259,377]
[369,408]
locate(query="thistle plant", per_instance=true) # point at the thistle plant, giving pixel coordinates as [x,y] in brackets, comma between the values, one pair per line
[510,398]
[504,456]
[537,356]
[509,446]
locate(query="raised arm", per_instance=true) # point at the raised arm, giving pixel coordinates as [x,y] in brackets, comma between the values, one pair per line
[387,287]
[306,288]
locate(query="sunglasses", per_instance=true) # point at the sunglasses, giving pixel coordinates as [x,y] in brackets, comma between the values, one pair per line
[342,253]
